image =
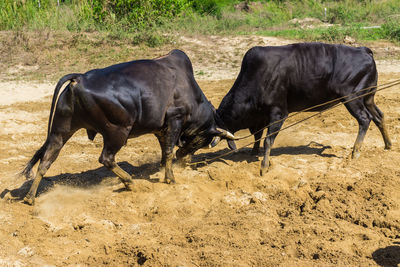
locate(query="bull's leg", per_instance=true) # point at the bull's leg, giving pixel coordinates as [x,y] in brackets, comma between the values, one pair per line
[112,144]
[359,111]
[378,119]
[257,136]
[273,130]
[161,140]
[55,143]
[174,126]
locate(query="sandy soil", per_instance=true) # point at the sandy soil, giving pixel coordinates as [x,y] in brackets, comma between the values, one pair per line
[315,207]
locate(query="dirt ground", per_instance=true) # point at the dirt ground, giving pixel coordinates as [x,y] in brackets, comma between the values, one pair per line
[315,207]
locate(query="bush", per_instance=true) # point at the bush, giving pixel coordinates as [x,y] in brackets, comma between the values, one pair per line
[391,29]
[139,13]
[149,20]
[207,7]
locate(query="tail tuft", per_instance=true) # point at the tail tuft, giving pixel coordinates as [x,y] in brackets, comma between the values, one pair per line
[27,171]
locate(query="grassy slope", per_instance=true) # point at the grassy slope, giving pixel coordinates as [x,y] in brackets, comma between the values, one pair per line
[48,55]
[265,18]
[46,43]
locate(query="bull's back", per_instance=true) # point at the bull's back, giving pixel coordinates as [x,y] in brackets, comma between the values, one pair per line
[315,73]
[133,94]
[138,93]
[294,77]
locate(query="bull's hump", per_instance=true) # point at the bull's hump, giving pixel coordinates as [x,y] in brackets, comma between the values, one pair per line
[178,53]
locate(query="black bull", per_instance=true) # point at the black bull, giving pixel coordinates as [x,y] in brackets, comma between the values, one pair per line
[274,81]
[126,100]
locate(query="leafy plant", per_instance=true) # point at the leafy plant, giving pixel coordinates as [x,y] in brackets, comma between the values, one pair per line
[391,29]
[152,21]
[207,7]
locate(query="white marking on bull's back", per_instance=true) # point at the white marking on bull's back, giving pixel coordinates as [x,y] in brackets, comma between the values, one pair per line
[55,107]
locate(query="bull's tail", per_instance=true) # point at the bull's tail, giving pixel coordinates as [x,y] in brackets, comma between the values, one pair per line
[57,93]
[27,171]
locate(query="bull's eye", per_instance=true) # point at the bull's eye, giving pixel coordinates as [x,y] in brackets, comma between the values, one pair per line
[180,143]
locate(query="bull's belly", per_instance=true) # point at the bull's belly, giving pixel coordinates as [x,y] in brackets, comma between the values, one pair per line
[135,132]
[315,105]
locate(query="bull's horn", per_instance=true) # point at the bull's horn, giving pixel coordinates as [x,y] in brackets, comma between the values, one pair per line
[214,142]
[226,134]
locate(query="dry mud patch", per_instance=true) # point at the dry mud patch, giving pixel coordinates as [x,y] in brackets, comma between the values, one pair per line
[314,207]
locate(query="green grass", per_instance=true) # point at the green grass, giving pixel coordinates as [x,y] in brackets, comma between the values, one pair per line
[156,22]
[335,33]
[347,17]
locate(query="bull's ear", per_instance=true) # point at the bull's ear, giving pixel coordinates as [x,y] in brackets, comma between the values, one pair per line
[221,134]
[214,142]
[231,144]
[229,138]
[217,139]
[180,142]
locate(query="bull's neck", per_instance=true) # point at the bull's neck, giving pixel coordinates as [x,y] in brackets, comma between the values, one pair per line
[226,121]
[202,120]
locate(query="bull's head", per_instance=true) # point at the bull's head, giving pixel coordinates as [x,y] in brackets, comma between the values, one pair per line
[189,143]
[226,134]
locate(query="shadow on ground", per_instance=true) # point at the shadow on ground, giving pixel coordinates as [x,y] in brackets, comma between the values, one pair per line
[388,257]
[103,175]
[85,179]
[244,154]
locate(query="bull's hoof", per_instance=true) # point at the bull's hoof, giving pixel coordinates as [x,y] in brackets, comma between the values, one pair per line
[263,171]
[170,181]
[355,154]
[30,175]
[129,186]
[264,167]
[29,201]
[388,146]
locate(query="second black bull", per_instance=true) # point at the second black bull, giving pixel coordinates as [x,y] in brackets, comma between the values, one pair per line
[275,81]
[126,100]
